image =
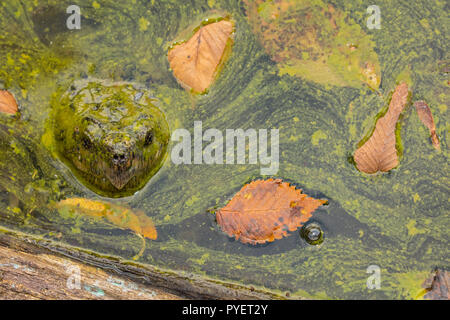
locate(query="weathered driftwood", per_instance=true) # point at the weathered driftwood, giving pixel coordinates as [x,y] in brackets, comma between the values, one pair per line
[32,268]
[40,275]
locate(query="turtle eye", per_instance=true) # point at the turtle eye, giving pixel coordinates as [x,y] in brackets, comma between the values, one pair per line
[86,142]
[148,138]
[91,120]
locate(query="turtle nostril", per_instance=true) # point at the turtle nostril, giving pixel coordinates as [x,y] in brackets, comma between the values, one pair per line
[120,159]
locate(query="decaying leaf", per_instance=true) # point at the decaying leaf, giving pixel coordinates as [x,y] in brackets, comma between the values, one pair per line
[424,113]
[265,210]
[379,153]
[120,216]
[437,285]
[195,62]
[7,102]
[316,41]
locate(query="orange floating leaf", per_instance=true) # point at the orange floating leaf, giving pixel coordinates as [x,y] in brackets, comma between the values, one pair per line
[265,210]
[7,103]
[424,113]
[379,152]
[120,216]
[195,62]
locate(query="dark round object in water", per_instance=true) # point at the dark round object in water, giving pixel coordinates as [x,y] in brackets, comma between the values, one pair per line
[312,233]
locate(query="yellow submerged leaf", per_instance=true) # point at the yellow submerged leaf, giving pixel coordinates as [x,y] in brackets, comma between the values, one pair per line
[121,217]
[316,41]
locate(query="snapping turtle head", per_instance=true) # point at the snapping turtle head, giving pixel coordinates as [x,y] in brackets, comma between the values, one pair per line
[112,136]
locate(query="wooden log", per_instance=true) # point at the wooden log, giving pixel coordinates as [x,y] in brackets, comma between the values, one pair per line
[35,268]
[25,275]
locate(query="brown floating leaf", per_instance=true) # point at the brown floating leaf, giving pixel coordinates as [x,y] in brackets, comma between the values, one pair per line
[424,113]
[120,216]
[379,152]
[438,286]
[7,102]
[265,210]
[195,62]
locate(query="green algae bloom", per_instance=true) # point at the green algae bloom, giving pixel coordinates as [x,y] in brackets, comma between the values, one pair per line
[396,220]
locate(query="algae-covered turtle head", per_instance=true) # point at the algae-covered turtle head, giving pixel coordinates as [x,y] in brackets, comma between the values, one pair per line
[111,135]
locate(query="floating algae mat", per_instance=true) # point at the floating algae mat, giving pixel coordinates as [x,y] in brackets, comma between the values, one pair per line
[306,81]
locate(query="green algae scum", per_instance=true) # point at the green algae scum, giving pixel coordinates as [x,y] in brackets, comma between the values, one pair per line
[324,94]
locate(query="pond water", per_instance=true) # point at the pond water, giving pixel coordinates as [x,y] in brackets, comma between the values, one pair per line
[398,221]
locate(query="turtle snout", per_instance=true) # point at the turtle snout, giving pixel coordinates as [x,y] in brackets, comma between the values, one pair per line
[119,154]
[120,148]
[121,160]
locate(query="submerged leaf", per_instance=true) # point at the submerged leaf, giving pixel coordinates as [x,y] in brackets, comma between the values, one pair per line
[195,62]
[379,153]
[315,41]
[424,113]
[120,216]
[265,210]
[7,102]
